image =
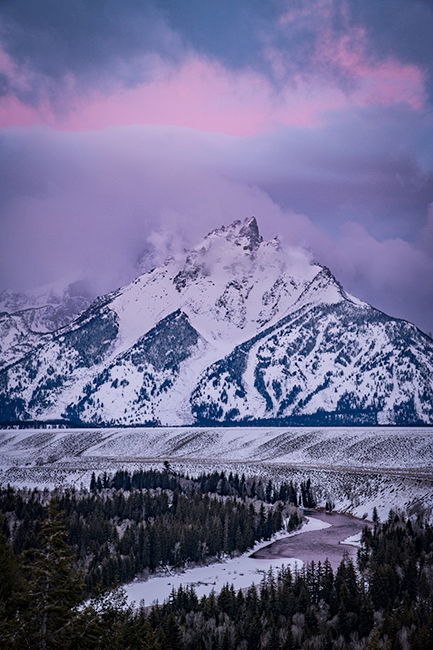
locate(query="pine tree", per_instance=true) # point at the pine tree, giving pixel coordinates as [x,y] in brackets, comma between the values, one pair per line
[10,581]
[172,634]
[49,616]
[145,639]
[112,623]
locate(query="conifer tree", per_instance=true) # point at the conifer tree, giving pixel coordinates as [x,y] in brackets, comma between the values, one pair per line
[172,634]
[48,613]
[9,582]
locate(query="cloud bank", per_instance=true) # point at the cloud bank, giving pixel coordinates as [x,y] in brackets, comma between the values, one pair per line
[84,43]
[100,203]
[129,129]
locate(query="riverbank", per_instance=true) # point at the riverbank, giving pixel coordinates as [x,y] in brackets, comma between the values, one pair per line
[320,537]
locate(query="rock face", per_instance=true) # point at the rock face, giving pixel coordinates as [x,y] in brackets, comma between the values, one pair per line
[238,332]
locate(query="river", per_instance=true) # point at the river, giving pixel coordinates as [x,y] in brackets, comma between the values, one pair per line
[319,538]
[315,545]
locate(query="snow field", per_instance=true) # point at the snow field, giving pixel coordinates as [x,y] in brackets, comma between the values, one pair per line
[356,468]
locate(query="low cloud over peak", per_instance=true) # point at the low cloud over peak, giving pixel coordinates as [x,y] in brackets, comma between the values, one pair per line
[129,129]
[95,203]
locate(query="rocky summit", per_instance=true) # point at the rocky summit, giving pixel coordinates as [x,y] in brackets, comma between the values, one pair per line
[239,331]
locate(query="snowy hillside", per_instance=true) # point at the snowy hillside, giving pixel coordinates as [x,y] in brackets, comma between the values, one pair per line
[238,331]
[407,450]
[356,467]
[27,318]
[17,339]
[327,364]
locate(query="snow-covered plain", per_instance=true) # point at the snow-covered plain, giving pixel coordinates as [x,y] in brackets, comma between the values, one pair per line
[368,448]
[357,468]
[240,571]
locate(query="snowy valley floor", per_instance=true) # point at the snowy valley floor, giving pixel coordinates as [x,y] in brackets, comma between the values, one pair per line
[357,468]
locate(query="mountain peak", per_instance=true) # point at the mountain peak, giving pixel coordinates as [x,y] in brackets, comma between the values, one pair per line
[250,232]
[231,247]
[241,233]
[240,331]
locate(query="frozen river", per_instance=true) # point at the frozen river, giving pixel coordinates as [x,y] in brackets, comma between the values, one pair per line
[320,537]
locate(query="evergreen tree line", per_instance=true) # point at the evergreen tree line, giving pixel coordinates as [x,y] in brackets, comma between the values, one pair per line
[387,603]
[214,483]
[132,525]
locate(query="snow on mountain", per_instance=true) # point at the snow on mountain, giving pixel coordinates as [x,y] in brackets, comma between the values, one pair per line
[50,307]
[26,318]
[323,364]
[17,339]
[238,331]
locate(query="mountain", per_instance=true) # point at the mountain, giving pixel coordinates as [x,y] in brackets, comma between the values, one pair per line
[50,307]
[26,318]
[239,331]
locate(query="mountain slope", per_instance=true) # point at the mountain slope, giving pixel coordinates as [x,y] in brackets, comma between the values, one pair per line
[48,308]
[331,364]
[17,339]
[238,331]
[27,319]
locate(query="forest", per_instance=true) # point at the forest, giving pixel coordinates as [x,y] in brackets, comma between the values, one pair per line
[133,524]
[55,594]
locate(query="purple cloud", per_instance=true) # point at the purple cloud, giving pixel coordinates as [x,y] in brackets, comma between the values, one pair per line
[95,204]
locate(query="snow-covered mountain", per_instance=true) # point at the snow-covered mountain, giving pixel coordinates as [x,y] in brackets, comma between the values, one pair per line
[239,331]
[50,307]
[26,318]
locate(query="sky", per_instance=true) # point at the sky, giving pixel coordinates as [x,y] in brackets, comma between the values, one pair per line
[131,128]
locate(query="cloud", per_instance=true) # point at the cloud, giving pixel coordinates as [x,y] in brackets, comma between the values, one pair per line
[57,52]
[97,204]
[54,49]
[396,29]
[92,202]
[373,165]
[203,95]
[393,275]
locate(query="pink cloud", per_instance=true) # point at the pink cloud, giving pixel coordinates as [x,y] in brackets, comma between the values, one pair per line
[383,82]
[199,95]
[205,96]
[14,113]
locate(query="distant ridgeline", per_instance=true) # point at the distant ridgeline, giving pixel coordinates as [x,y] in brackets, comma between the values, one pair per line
[41,424]
[240,332]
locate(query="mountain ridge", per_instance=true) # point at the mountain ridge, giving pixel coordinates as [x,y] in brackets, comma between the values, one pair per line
[238,332]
